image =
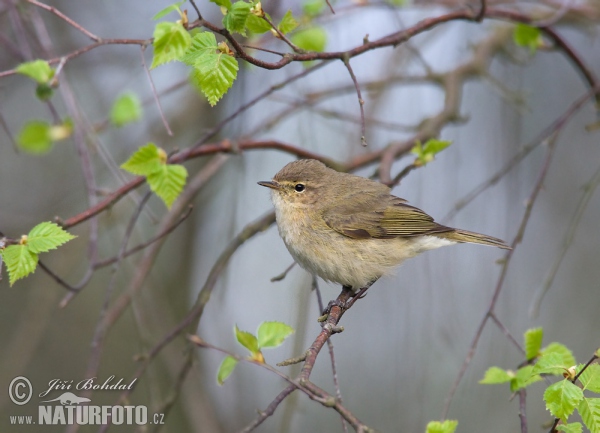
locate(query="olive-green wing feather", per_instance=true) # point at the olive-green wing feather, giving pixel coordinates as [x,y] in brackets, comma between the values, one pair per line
[381,217]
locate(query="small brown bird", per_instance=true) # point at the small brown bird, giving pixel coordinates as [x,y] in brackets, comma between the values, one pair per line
[350,230]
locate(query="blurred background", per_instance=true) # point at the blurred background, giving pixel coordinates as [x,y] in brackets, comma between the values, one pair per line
[404,344]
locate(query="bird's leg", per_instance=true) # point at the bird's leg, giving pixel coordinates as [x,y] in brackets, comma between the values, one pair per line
[346,299]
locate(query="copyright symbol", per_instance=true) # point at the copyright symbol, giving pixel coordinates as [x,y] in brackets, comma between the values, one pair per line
[20,390]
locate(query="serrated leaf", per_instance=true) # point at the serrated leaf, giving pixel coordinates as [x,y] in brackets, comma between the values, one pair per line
[287,23]
[561,398]
[590,378]
[223,3]
[126,109]
[589,409]
[202,43]
[214,74]
[171,40]
[272,334]
[448,426]
[169,9]
[523,378]
[257,25]
[533,342]
[145,161]
[550,363]
[168,182]
[47,236]
[235,20]
[496,375]
[563,351]
[246,339]
[226,369]
[572,427]
[527,36]
[38,70]
[35,137]
[311,39]
[19,261]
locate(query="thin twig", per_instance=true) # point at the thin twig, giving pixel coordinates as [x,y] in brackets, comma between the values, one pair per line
[283,37]
[196,9]
[361,102]
[522,412]
[482,9]
[66,19]
[159,106]
[270,410]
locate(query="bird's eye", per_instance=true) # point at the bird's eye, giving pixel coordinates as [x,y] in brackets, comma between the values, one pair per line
[299,187]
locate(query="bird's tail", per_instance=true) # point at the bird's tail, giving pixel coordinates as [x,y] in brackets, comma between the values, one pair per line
[457,235]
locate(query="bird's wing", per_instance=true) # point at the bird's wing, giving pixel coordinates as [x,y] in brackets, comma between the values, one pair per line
[380,217]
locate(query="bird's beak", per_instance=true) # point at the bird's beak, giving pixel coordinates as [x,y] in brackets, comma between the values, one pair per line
[269,184]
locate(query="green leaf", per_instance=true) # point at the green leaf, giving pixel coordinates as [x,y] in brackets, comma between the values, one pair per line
[47,236]
[311,39]
[589,409]
[202,43]
[44,92]
[272,334]
[523,378]
[223,3]
[214,74]
[126,109]
[590,378]
[257,25]
[247,340]
[527,36]
[235,20]
[434,146]
[226,369]
[312,8]
[168,9]
[287,23]
[572,427]
[567,356]
[561,398]
[168,182]
[35,137]
[38,70]
[447,426]
[19,261]
[533,342]
[496,375]
[145,161]
[171,40]
[550,363]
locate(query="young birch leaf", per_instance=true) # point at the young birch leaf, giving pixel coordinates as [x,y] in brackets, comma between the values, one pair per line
[202,43]
[533,342]
[35,137]
[171,40]
[287,23]
[561,398]
[524,378]
[247,340]
[235,20]
[226,369]
[168,182]
[448,426]
[38,70]
[527,36]
[19,261]
[589,409]
[496,375]
[145,161]
[590,378]
[572,427]
[257,25]
[126,109]
[47,236]
[168,9]
[272,334]
[550,363]
[567,356]
[214,74]
[434,146]
[311,39]
[223,3]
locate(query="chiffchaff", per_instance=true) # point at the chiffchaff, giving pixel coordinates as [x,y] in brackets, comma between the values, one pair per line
[350,230]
